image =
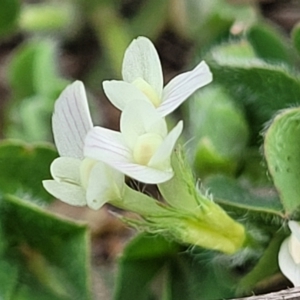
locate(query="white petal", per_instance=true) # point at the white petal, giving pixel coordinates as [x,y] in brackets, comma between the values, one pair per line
[295,229]
[66,192]
[142,173]
[287,265]
[71,120]
[105,184]
[66,169]
[106,145]
[162,156]
[141,60]
[182,86]
[140,117]
[121,93]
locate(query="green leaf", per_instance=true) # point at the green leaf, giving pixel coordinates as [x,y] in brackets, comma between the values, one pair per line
[141,261]
[281,149]
[9,14]
[35,84]
[8,279]
[152,12]
[33,71]
[23,167]
[195,275]
[180,273]
[219,130]
[21,70]
[46,78]
[49,254]
[217,17]
[262,89]
[265,268]
[269,43]
[243,198]
[296,37]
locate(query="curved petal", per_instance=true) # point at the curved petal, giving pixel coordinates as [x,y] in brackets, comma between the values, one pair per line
[120,93]
[66,192]
[287,265]
[140,117]
[182,86]
[161,158]
[66,169]
[71,120]
[141,60]
[105,184]
[142,173]
[105,145]
[295,229]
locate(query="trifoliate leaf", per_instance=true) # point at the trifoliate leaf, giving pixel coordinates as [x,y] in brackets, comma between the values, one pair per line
[281,149]
[23,167]
[49,255]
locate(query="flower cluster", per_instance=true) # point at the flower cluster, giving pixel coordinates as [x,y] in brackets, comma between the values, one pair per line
[93,160]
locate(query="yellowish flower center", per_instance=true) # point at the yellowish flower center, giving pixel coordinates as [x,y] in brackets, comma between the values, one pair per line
[294,248]
[145,147]
[86,167]
[148,90]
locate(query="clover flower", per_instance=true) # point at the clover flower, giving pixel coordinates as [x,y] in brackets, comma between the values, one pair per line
[143,80]
[289,254]
[78,180]
[142,149]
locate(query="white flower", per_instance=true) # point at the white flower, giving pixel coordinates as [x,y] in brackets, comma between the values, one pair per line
[142,149]
[289,255]
[78,180]
[143,79]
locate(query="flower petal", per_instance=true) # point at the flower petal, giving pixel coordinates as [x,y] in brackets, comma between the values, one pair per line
[66,169]
[140,117]
[105,184]
[120,93]
[66,192]
[295,229]
[287,265]
[182,86]
[106,145]
[141,60]
[71,120]
[161,158]
[142,173]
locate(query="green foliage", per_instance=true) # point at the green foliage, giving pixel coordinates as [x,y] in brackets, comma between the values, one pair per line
[33,70]
[281,149]
[219,131]
[257,202]
[269,43]
[35,83]
[296,37]
[47,17]
[164,270]
[152,12]
[265,267]
[141,261]
[210,21]
[261,88]
[42,256]
[9,14]
[23,167]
